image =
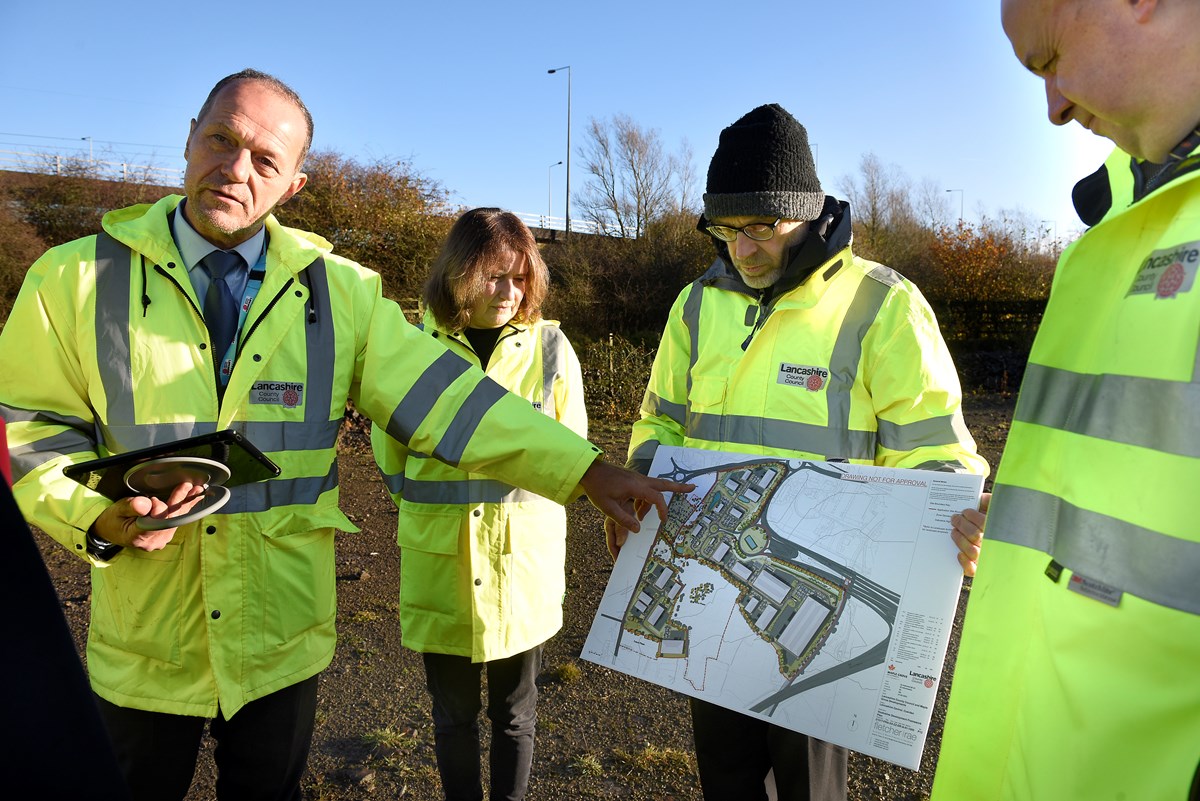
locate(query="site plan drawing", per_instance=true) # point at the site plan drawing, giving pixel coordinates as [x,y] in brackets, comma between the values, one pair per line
[816,595]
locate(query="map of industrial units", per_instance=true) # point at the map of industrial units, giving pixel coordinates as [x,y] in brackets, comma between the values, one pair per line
[777,587]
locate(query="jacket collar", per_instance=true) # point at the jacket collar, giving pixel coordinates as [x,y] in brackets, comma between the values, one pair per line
[146,229]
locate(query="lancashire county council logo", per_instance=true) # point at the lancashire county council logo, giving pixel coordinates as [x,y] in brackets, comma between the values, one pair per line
[814,382]
[1171,281]
[290,398]
[928,684]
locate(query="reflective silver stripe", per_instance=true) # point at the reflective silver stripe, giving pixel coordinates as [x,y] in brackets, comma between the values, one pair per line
[113,270]
[1151,565]
[12,414]
[272,436]
[394,482]
[784,434]
[552,366]
[466,491]
[312,435]
[946,430]
[30,456]
[263,496]
[642,457]
[419,401]
[843,362]
[654,405]
[1146,412]
[319,339]
[122,438]
[458,434]
[691,318]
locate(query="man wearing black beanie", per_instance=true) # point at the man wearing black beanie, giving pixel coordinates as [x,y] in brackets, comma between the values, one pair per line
[790,345]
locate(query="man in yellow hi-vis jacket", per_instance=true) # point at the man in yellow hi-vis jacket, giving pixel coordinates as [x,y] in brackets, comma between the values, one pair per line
[791,345]
[1077,673]
[202,313]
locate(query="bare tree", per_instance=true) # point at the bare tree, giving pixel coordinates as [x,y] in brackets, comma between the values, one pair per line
[632,180]
[686,179]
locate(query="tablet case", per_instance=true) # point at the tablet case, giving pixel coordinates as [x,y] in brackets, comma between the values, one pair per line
[246,463]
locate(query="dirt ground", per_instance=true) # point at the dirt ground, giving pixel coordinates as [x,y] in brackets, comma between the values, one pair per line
[600,734]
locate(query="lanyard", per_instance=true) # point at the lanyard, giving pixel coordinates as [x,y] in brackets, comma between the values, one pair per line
[253,283]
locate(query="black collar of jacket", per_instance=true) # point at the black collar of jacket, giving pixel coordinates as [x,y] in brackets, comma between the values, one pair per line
[827,235]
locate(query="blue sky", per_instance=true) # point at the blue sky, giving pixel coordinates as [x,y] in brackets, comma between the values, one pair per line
[461,88]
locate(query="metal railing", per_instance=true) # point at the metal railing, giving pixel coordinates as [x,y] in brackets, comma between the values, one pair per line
[549,223]
[50,163]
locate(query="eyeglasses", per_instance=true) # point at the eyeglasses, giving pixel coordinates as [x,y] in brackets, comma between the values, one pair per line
[759,232]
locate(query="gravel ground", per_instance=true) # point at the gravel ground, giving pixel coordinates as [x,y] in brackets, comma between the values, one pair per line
[600,734]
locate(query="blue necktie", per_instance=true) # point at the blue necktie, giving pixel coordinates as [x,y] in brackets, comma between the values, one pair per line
[220,308]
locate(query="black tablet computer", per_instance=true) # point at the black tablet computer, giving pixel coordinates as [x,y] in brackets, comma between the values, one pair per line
[242,463]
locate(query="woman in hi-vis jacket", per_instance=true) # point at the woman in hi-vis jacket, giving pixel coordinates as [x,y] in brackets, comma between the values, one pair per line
[482,578]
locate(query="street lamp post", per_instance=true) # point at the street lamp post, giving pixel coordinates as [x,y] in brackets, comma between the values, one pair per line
[91,161]
[961,195]
[567,199]
[549,192]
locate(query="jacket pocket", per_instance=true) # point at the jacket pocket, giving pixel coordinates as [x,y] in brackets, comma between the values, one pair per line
[137,603]
[706,408]
[430,566]
[298,584]
[708,393]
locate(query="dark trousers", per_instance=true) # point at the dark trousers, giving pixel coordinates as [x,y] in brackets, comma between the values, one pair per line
[261,751]
[455,683]
[734,752]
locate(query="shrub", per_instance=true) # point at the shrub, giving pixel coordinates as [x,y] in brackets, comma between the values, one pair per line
[615,372]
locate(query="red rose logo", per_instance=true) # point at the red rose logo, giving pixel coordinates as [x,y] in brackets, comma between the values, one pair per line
[290,398]
[815,382]
[1170,281]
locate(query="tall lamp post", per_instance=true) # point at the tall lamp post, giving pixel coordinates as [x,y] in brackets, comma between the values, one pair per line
[91,160]
[549,191]
[567,199]
[961,195]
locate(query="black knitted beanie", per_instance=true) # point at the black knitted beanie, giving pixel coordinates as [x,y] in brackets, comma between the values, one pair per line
[763,167]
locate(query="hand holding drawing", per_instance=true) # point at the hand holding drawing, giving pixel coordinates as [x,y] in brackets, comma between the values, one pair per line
[118,523]
[967,533]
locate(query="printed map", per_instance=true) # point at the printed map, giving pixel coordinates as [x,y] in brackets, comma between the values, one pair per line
[816,595]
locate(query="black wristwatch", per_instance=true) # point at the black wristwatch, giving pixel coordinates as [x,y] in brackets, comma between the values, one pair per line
[101,548]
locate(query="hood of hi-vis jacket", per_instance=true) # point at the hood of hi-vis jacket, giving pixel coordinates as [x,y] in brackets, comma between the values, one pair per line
[106,351]
[482,562]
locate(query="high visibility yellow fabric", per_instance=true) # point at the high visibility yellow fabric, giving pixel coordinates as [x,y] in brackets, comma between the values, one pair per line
[101,355]
[482,563]
[1057,694]
[848,365]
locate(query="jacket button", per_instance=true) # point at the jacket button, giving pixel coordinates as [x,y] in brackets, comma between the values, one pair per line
[478,582]
[476,513]
[518,344]
[203,346]
[79,547]
[299,294]
[258,357]
[211,530]
[171,265]
[435,334]
[216,614]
